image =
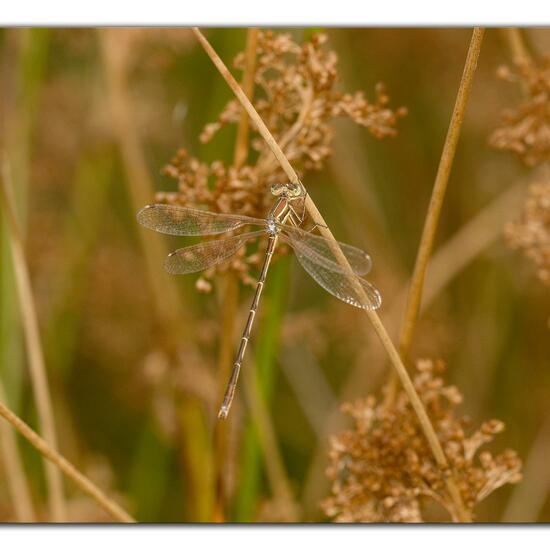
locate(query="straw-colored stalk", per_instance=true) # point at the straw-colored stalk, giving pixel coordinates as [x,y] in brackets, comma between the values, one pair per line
[529,497]
[35,354]
[16,479]
[140,185]
[60,463]
[397,363]
[438,195]
[519,51]
[231,291]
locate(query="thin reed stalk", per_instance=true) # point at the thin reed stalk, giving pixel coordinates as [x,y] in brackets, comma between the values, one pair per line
[438,194]
[529,497]
[518,49]
[16,479]
[139,182]
[221,430]
[425,247]
[60,463]
[397,363]
[231,290]
[33,345]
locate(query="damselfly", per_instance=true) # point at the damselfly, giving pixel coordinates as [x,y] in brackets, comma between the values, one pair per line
[315,253]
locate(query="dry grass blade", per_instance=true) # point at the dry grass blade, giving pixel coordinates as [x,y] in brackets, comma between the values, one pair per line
[395,359]
[231,289]
[438,194]
[140,186]
[16,479]
[58,461]
[518,49]
[530,496]
[33,345]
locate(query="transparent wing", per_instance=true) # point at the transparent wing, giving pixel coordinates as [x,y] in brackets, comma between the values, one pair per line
[204,255]
[346,287]
[321,248]
[188,222]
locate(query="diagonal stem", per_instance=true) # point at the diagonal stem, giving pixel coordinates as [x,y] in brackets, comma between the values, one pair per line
[35,353]
[433,215]
[231,291]
[381,332]
[438,194]
[58,461]
[16,479]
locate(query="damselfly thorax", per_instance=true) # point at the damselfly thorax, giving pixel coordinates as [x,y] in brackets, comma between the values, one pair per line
[315,253]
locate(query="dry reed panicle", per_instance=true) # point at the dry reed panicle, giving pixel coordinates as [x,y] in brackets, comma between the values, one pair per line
[525,128]
[530,233]
[382,469]
[525,131]
[296,95]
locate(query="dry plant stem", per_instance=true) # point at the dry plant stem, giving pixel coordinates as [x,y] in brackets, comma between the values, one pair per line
[268,443]
[530,496]
[438,194]
[61,463]
[395,359]
[518,49]
[431,222]
[16,480]
[140,186]
[231,290]
[33,346]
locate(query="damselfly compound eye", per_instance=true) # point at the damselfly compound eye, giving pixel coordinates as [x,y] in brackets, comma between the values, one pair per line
[278,189]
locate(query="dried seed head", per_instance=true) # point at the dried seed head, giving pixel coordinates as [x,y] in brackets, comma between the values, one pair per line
[531,232]
[382,469]
[525,129]
[295,94]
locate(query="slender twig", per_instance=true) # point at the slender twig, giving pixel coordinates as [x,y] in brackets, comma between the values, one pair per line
[231,288]
[314,213]
[33,344]
[530,496]
[16,479]
[438,194]
[61,463]
[243,129]
[519,51]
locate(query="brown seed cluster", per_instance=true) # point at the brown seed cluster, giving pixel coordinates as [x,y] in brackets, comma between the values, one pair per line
[382,469]
[531,232]
[296,96]
[525,129]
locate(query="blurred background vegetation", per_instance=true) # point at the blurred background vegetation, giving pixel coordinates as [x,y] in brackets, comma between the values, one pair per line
[143,427]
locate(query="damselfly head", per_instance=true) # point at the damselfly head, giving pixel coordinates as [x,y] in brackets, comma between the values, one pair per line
[288,190]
